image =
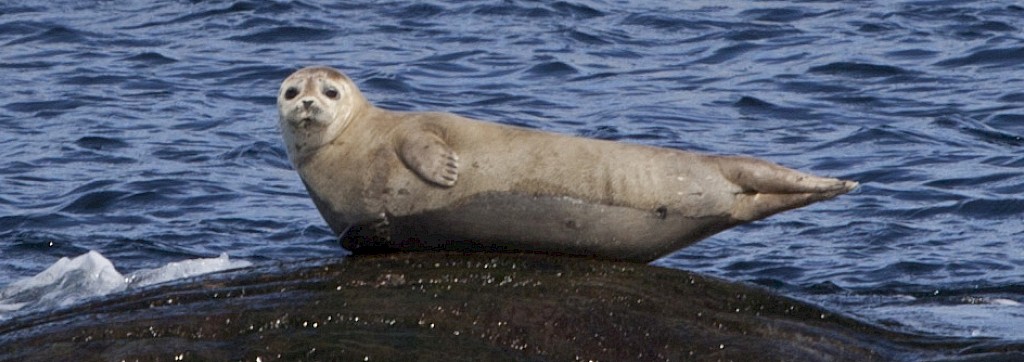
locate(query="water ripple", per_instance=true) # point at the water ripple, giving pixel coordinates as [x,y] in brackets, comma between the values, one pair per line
[988,57]
[858,70]
[285,34]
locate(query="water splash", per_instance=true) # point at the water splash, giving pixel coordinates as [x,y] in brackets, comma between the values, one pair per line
[90,275]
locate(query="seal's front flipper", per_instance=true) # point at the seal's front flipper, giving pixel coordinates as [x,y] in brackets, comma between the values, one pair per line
[367,238]
[431,158]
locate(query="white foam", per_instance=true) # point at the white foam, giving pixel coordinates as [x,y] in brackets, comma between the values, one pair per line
[64,282]
[91,275]
[1006,302]
[183,269]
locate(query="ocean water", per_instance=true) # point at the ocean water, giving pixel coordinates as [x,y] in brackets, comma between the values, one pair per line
[138,139]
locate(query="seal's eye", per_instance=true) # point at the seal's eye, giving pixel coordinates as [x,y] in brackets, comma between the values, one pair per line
[331,93]
[291,93]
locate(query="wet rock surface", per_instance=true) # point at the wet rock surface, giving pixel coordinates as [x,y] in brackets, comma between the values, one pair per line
[477,307]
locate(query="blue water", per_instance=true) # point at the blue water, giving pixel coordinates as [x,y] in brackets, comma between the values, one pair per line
[147,131]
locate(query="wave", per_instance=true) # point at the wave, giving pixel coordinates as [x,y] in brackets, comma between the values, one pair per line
[91,275]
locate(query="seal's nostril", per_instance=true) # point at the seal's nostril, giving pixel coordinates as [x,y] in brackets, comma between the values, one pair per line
[307,103]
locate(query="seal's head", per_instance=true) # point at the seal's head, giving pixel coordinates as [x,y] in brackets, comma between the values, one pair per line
[316,104]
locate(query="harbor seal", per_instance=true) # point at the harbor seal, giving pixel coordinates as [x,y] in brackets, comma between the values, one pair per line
[404,181]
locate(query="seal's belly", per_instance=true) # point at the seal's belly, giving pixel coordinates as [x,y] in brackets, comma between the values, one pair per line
[504,221]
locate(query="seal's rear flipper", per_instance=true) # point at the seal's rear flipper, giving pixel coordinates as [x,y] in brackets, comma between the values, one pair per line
[763,177]
[750,207]
[769,188]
